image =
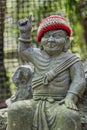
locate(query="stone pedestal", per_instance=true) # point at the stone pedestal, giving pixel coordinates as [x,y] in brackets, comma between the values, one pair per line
[3,119]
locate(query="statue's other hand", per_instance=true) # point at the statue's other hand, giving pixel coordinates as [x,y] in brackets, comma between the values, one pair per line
[69,104]
[25,24]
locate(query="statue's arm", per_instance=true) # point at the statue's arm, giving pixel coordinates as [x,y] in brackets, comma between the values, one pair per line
[78,82]
[77,86]
[26,51]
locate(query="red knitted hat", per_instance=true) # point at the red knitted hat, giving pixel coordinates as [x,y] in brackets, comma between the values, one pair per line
[53,22]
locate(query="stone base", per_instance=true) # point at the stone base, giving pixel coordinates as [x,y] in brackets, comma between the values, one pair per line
[3,118]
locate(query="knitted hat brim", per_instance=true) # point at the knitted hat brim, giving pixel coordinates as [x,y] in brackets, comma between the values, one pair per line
[50,27]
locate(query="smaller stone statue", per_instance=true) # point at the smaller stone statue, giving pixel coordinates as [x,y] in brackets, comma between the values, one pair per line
[22,79]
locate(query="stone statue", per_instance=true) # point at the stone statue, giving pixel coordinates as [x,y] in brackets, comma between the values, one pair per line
[22,79]
[58,81]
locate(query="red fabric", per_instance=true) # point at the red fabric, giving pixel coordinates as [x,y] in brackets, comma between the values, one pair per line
[53,27]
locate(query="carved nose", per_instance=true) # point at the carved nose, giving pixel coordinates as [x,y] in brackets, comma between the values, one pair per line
[50,39]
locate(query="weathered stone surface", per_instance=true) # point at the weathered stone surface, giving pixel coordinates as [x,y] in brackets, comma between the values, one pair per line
[22,79]
[83,114]
[3,119]
[58,81]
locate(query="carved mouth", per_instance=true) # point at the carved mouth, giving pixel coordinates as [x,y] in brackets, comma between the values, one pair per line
[51,45]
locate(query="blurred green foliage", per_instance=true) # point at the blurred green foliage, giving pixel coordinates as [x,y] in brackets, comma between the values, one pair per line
[43,8]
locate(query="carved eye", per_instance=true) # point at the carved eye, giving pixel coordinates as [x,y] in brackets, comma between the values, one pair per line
[46,36]
[57,35]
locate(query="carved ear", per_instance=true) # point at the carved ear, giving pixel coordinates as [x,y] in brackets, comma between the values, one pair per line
[67,44]
[30,18]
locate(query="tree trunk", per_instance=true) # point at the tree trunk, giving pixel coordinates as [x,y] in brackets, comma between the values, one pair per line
[4,81]
[82,10]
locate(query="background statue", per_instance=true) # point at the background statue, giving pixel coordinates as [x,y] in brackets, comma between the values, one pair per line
[22,79]
[58,81]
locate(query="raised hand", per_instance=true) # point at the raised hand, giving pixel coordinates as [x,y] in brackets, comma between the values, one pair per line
[25,26]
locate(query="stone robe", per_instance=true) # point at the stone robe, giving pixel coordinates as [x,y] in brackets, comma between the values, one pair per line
[43,112]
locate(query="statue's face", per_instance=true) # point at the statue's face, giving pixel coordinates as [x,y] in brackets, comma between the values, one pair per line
[53,42]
